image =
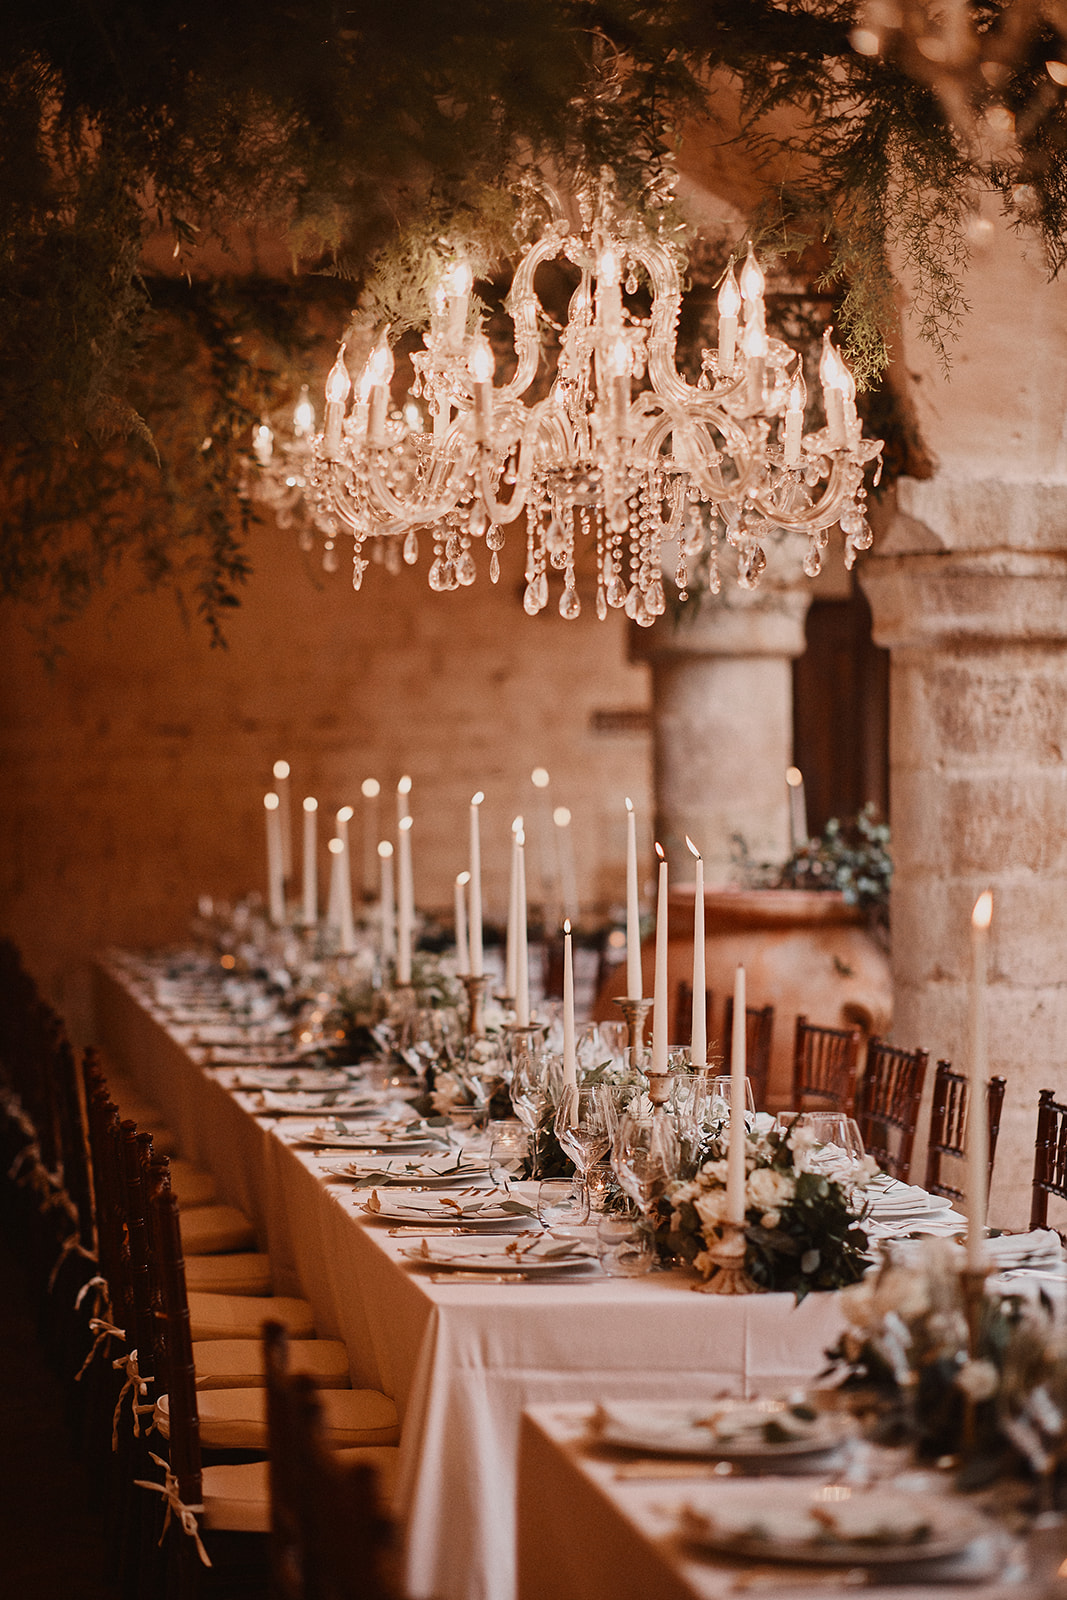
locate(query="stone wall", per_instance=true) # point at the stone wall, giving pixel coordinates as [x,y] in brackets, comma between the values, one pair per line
[133,774]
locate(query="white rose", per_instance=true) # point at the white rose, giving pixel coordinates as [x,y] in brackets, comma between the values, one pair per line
[769,1190]
[715,1171]
[712,1207]
[770,1220]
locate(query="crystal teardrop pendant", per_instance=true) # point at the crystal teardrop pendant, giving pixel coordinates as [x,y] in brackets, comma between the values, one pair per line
[615,592]
[632,602]
[601,602]
[494,568]
[541,590]
[411,547]
[437,579]
[466,571]
[494,537]
[478,518]
[812,560]
[359,567]
[529,599]
[569,604]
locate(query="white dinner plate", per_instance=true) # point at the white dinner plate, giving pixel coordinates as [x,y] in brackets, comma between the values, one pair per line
[833,1525]
[284,1079]
[470,1211]
[474,1255]
[394,1172]
[721,1430]
[907,1201]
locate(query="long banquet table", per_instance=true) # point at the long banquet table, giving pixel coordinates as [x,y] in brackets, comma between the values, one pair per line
[461,1360]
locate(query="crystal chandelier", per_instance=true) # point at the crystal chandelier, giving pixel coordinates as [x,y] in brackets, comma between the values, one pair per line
[623,451]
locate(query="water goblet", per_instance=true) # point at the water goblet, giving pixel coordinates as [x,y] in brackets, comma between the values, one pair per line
[585,1122]
[509,1146]
[646,1156]
[624,1246]
[562,1203]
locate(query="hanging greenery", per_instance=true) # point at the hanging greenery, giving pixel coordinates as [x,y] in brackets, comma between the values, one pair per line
[363,137]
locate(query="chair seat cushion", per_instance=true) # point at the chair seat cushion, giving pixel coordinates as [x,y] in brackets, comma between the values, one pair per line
[241,1316]
[236,1419]
[192,1186]
[239,1363]
[241,1272]
[210,1230]
[236,1498]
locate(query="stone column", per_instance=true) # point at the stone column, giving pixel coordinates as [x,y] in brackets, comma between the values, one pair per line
[968,587]
[722,707]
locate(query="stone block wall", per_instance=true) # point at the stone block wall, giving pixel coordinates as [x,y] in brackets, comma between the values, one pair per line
[132,775]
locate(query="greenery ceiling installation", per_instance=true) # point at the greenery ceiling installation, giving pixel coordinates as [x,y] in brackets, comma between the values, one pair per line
[362,133]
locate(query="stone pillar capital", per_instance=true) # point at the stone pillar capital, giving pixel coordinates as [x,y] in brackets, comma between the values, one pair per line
[967,599]
[768,621]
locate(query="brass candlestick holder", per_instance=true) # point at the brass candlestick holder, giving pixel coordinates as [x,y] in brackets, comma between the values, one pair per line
[728,1253]
[635,1013]
[659,1087]
[475,985]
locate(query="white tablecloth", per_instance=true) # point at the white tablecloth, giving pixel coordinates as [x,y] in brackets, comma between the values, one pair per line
[463,1360]
[586,1534]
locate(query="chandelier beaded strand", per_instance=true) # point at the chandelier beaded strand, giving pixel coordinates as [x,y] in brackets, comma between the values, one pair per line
[623,448]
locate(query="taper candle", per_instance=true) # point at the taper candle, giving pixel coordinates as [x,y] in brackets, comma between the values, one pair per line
[370,789]
[977,1117]
[522,952]
[660,999]
[311,865]
[570,1036]
[285,814]
[405,920]
[735,1167]
[698,1053]
[477,956]
[634,981]
[275,871]
[463,949]
[387,903]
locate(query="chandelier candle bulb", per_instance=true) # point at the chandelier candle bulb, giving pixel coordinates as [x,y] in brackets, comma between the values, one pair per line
[370,789]
[794,421]
[463,949]
[477,953]
[832,374]
[285,815]
[405,920]
[263,444]
[480,366]
[570,1035]
[754,348]
[387,900]
[634,980]
[311,876]
[275,876]
[660,1001]
[338,388]
[345,923]
[459,284]
[729,303]
[379,373]
[698,1053]
[303,415]
[735,1168]
[609,290]
[522,955]
[798,809]
[977,1111]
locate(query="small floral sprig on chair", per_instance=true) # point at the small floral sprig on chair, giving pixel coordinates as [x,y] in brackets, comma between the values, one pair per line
[802,1229]
[907,1364]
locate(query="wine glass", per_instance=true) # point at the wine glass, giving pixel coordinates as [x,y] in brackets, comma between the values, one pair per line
[585,1122]
[836,1141]
[646,1155]
[535,1085]
[720,1088]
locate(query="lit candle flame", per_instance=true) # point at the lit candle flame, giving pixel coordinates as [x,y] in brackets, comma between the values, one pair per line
[693,847]
[463,878]
[982,915]
[629,803]
[406,824]
[335,846]
[271,801]
[311,804]
[562,817]
[404,786]
[370,788]
[660,851]
[345,814]
[567,926]
[794,777]
[477,799]
[339,383]
[385,849]
[281,769]
[539,778]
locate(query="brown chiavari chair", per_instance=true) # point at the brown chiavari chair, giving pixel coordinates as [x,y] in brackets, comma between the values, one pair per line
[329,1539]
[887,1104]
[683,1013]
[825,1064]
[759,1035]
[1050,1158]
[948,1126]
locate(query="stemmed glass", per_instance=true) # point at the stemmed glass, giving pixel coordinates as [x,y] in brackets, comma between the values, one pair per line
[585,1123]
[646,1155]
[535,1082]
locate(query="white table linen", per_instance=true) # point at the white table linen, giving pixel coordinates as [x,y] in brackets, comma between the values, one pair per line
[461,1360]
[586,1534]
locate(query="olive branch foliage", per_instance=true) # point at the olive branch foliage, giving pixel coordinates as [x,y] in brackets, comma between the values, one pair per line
[373,139]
